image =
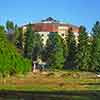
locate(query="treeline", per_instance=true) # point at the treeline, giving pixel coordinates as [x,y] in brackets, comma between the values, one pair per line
[57,53]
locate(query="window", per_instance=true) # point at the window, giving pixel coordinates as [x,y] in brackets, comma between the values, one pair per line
[42,35]
[42,39]
[62,34]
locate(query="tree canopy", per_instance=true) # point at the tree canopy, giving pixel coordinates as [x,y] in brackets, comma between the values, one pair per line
[55,57]
[84,51]
[96,46]
[32,43]
[71,50]
[11,62]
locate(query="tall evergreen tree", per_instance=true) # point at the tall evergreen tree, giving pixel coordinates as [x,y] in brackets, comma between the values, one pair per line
[33,43]
[72,49]
[96,46]
[37,46]
[84,51]
[54,51]
[28,46]
[65,46]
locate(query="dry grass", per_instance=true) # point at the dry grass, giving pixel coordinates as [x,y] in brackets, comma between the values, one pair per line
[53,81]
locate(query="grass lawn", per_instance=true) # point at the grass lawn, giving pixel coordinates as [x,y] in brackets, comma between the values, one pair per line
[71,85]
[52,81]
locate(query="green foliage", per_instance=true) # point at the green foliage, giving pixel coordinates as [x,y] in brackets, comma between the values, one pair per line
[72,49]
[64,46]
[55,57]
[28,42]
[44,54]
[33,44]
[10,61]
[14,34]
[10,25]
[10,30]
[37,46]
[84,57]
[96,46]
[19,37]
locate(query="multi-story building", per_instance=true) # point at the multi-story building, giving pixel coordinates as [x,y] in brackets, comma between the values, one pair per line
[49,25]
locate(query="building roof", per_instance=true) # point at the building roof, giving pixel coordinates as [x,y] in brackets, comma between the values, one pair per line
[51,25]
[49,19]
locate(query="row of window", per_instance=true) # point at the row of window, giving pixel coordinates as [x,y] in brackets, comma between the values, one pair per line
[61,34]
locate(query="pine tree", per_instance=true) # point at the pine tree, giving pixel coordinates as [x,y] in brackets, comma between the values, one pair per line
[96,46]
[28,46]
[54,51]
[84,51]
[65,46]
[33,44]
[72,49]
[37,46]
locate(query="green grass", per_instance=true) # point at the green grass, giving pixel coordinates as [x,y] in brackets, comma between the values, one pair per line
[77,85]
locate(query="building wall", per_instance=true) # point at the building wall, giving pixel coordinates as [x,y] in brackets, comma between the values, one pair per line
[45,28]
[62,31]
[44,36]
